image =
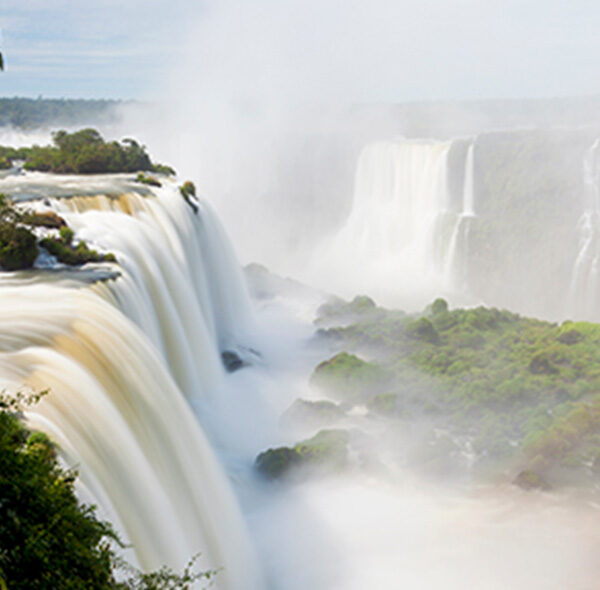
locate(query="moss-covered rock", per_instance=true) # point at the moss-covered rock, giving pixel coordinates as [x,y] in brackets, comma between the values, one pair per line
[349,377]
[48,219]
[326,452]
[65,252]
[187,191]
[148,180]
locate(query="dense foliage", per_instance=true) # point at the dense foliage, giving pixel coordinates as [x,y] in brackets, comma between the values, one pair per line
[83,152]
[49,540]
[520,389]
[18,245]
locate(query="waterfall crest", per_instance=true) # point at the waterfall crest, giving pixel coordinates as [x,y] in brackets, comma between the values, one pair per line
[120,358]
[401,238]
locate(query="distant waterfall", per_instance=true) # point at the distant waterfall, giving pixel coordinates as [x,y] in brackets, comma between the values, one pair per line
[454,270]
[120,357]
[584,289]
[401,238]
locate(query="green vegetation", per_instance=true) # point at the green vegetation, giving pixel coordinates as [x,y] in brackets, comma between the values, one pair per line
[66,252]
[164,169]
[188,190]
[349,377]
[519,388]
[338,309]
[325,452]
[149,180]
[48,539]
[47,219]
[85,152]
[19,245]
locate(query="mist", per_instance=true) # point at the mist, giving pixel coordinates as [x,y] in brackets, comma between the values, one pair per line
[274,102]
[436,159]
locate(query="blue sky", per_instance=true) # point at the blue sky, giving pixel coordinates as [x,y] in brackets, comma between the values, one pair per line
[373,50]
[79,48]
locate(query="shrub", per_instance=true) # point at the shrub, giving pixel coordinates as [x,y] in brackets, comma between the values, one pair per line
[62,249]
[349,376]
[18,247]
[66,235]
[149,180]
[188,190]
[86,152]
[422,329]
[439,306]
[163,169]
[48,539]
[541,364]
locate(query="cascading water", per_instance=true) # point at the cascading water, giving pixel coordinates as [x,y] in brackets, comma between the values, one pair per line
[395,242]
[583,291]
[454,273]
[121,356]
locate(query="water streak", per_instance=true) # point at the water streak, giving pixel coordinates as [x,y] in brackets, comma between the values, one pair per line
[121,357]
[583,289]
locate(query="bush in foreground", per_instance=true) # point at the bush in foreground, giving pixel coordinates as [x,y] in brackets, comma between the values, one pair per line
[48,540]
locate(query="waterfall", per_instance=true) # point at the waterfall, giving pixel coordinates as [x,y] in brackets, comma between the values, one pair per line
[583,290]
[454,273]
[122,356]
[394,243]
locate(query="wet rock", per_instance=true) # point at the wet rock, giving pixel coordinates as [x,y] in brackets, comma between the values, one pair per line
[47,219]
[325,452]
[232,361]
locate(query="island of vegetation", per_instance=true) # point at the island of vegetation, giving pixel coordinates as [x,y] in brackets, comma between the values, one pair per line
[19,245]
[83,152]
[514,394]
